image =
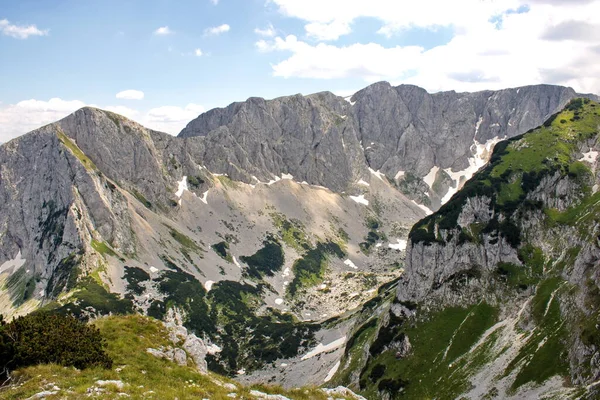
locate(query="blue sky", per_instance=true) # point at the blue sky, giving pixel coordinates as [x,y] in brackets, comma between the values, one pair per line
[61,54]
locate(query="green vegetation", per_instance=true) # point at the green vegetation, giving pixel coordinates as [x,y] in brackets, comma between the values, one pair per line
[515,169]
[545,354]
[310,268]
[291,231]
[441,353]
[222,249]
[184,240]
[43,338]
[20,285]
[89,298]
[228,315]
[373,236]
[65,275]
[104,249]
[140,197]
[142,374]
[195,181]
[115,118]
[134,276]
[266,261]
[76,151]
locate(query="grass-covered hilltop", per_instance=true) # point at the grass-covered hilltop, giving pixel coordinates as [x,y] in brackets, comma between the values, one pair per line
[121,357]
[501,293]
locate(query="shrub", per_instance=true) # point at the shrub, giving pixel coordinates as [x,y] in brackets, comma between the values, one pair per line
[377,372]
[45,338]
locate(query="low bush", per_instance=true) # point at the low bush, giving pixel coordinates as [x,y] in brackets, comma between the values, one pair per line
[45,338]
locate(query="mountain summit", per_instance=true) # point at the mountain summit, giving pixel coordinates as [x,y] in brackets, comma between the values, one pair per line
[277,232]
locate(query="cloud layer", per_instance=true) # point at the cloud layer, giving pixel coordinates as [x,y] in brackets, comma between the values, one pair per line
[163,31]
[130,95]
[20,31]
[217,30]
[496,44]
[27,115]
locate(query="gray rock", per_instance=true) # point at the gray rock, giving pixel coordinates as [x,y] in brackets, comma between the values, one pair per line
[317,138]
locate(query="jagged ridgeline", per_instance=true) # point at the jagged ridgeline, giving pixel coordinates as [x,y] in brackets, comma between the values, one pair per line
[501,293]
[276,230]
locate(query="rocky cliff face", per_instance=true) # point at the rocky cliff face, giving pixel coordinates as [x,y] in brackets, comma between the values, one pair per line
[508,267]
[406,133]
[296,205]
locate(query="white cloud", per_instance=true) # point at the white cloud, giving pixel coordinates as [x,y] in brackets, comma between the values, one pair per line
[269,31]
[163,31]
[327,31]
[217,30]
[27,115]
[198,52]
[130,95]
[215,2]
[20,31]
[544,43]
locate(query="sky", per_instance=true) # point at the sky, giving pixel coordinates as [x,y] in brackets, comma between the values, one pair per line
[164,62]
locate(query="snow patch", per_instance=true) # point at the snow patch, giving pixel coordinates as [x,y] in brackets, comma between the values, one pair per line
[401,245]
[208,285]
[286,273]
[13,264]
[429,179]
[422,207]
[182,187]
[360,199]
[332,372]
[153,269]
[235,261]
[204,197]
[347,98]
[322,348]
[591,156]
[286,176]
[349,263]
[279,301]
[399,175]
[377,173]
[361,182]
[481,155]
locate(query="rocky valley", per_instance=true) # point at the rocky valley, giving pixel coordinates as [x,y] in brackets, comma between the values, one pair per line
[401,244]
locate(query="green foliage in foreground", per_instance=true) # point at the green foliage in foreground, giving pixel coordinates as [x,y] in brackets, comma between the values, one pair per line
[441,344]
[143,376]
[43,338]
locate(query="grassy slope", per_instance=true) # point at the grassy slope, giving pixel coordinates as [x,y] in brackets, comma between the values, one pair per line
[143,375]
[516,168]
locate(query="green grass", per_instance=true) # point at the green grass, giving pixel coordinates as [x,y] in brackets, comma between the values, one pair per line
[266,261]
[90,295]
[516,168]
[76,151]
[104,249]
[545,354]
[144,376]
[310,268]
[222,249]
[440,363]
[549,145]
[184,240]
[292,232]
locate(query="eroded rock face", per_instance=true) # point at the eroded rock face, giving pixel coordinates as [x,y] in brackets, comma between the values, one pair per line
[325,140]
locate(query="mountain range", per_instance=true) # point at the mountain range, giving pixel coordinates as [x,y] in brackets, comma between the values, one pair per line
[379,241]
